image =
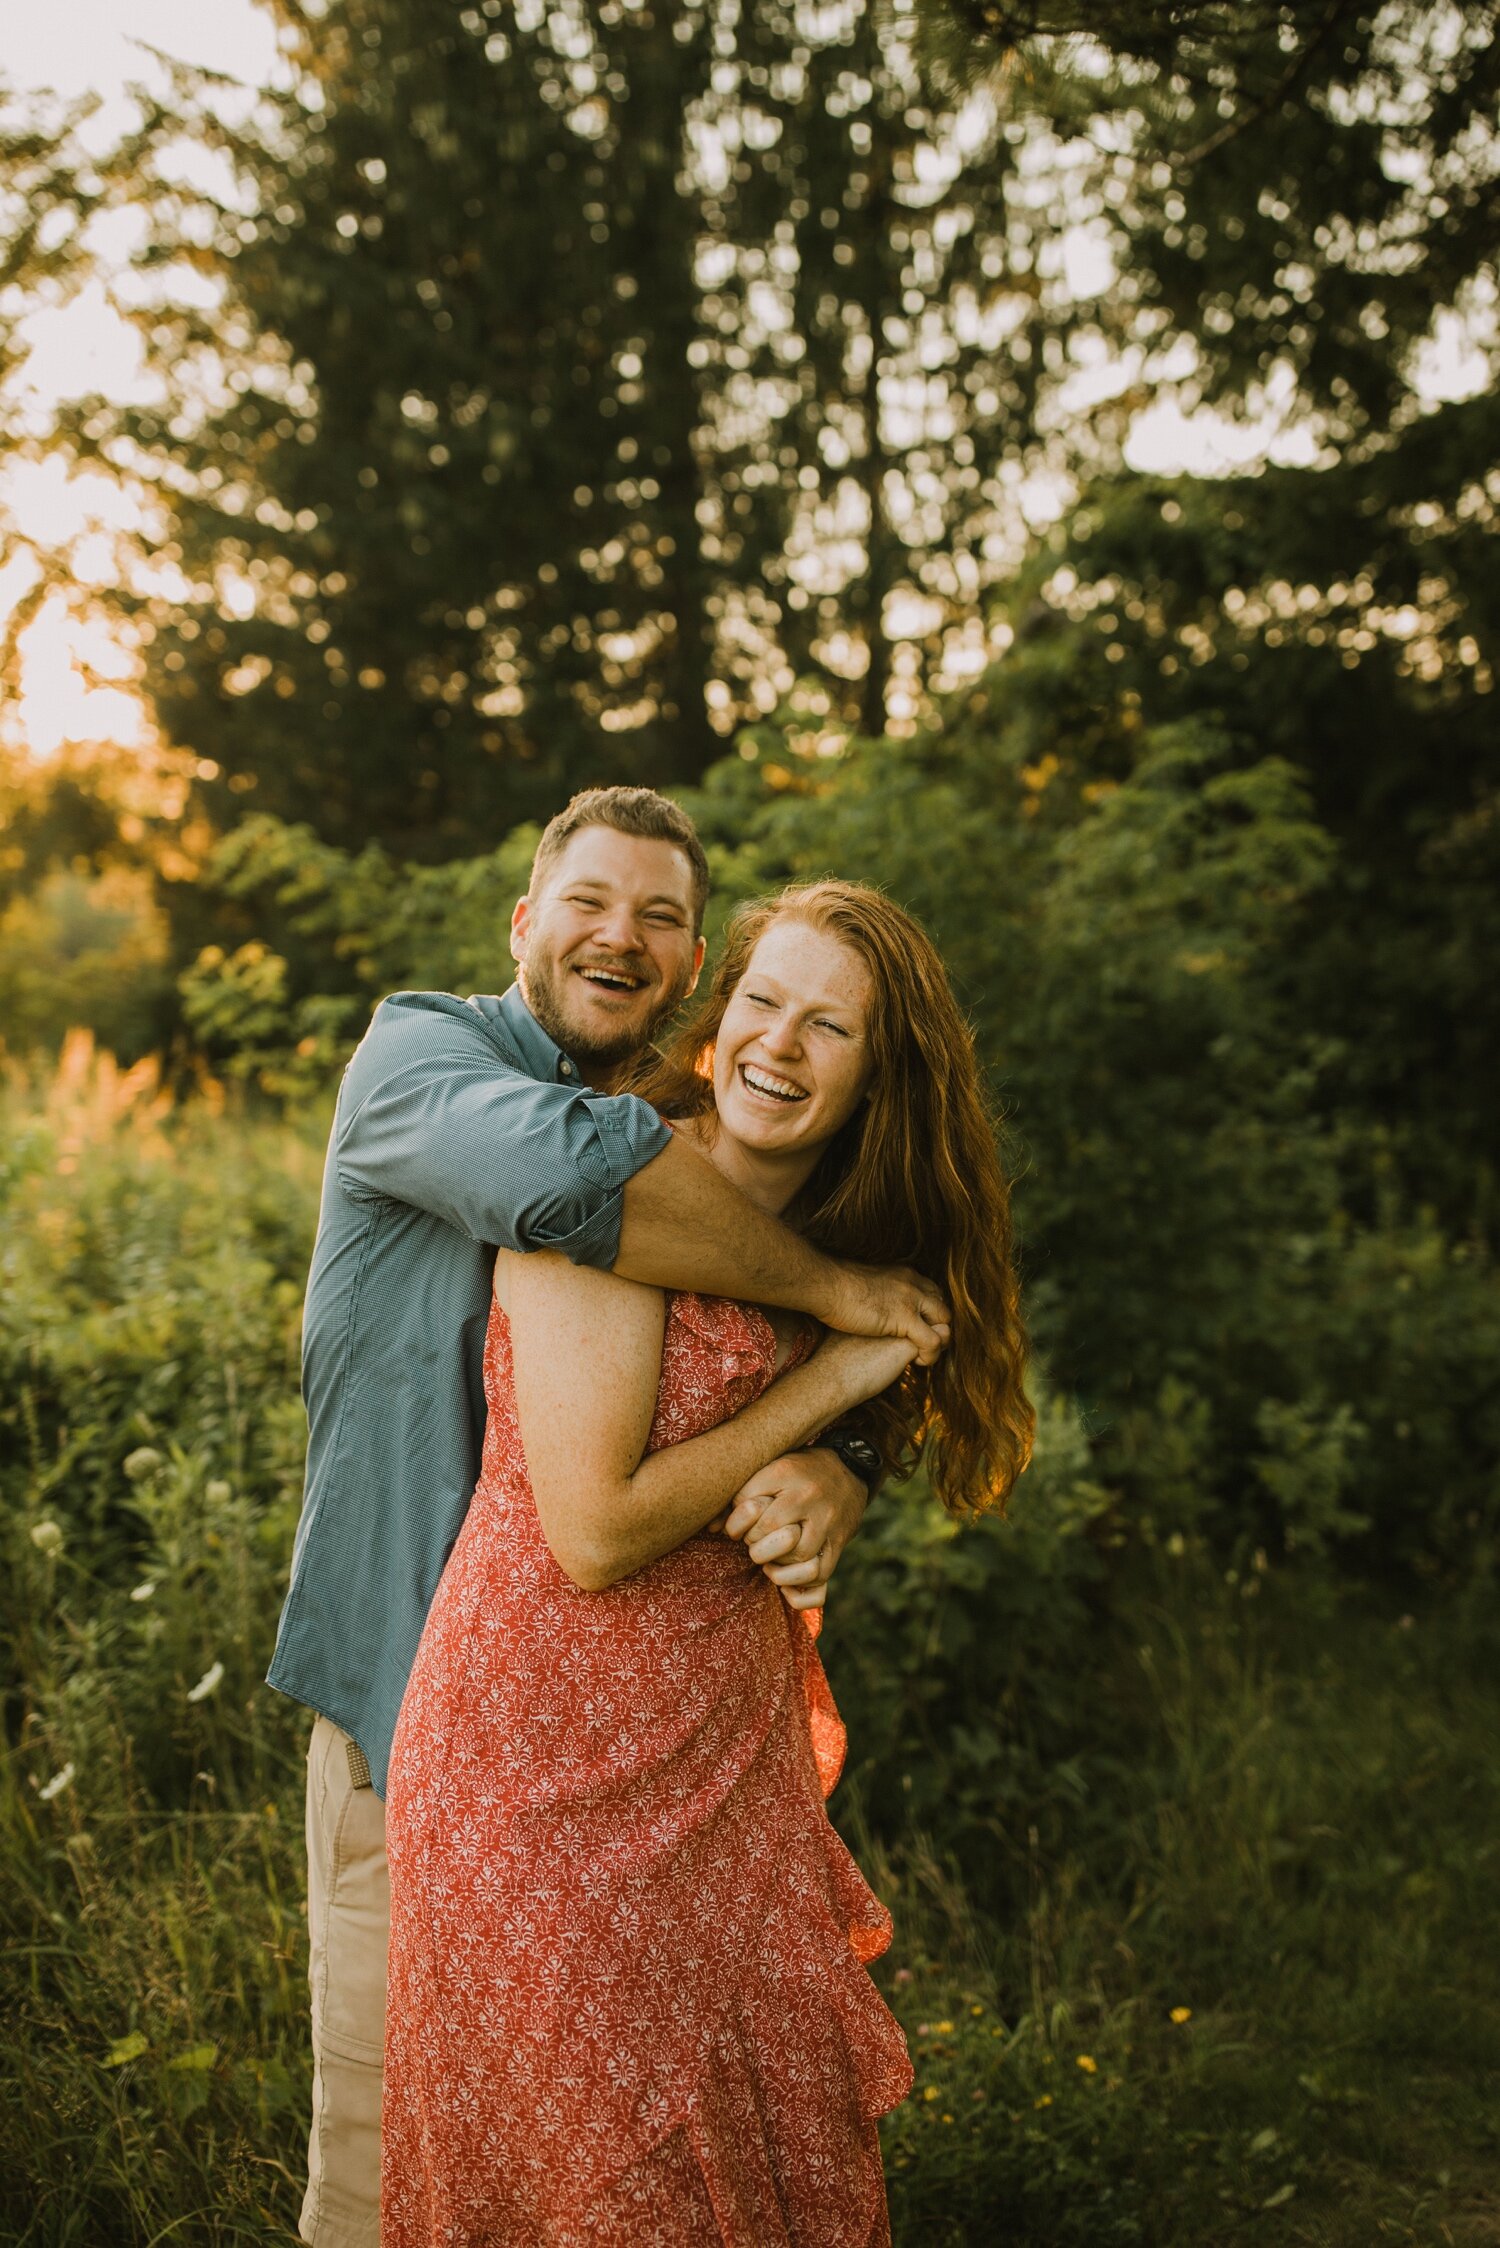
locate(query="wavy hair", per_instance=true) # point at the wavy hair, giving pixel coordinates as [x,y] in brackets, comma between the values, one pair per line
[914,1177]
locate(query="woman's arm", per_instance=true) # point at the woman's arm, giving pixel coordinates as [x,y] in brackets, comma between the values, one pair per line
[587,1352]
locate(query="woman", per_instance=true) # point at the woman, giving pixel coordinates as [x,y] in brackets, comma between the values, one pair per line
[628,1999]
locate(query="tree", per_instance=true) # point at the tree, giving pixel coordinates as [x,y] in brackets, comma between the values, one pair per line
[569,385]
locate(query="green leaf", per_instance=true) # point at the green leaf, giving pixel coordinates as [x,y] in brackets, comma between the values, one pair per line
[127,2049]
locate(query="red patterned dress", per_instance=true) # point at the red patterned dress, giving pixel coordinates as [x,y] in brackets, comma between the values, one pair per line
[628,2006]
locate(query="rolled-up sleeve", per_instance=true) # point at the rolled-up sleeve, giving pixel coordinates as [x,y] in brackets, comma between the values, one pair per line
[494,1153]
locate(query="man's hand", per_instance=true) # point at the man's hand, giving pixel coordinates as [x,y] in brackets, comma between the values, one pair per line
[890,1300]
[796,1517]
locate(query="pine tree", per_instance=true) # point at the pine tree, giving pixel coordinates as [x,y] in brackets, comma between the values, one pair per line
[578,381]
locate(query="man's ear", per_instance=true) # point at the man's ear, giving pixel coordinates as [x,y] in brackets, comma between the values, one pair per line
[520,916]
[699,949]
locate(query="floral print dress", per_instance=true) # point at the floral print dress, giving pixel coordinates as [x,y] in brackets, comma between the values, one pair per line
[628,2005]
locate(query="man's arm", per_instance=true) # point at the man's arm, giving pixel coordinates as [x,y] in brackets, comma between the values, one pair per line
[684,1226]
[431,1115]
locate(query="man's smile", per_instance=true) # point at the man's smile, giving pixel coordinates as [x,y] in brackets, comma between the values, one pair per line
[610,979]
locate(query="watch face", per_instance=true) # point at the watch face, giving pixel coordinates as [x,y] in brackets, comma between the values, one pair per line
[858,1455]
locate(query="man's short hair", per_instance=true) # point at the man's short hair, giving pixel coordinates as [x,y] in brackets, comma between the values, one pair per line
[629,811]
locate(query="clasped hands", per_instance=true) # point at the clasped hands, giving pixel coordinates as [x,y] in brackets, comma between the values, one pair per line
[796,1517]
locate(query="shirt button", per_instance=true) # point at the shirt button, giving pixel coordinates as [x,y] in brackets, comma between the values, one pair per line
[567,1069]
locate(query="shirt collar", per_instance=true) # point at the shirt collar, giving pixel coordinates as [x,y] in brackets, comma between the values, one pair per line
[545,1060]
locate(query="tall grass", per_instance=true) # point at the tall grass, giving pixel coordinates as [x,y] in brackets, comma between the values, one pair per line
[1234,1974]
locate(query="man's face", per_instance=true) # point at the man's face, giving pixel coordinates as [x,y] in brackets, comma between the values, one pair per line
[605,950]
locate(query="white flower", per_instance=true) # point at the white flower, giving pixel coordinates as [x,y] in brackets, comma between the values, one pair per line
[207,1683]
[217,1491]
[57,1783]
[47,1537]
[144,1591]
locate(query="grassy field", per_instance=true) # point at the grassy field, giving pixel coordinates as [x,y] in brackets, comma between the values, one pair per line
[1246,1988]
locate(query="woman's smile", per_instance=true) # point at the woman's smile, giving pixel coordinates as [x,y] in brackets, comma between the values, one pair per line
[769,1086]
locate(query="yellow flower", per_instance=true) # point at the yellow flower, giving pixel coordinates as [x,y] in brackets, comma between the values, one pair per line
[1088,2064]
[945,2029]
[931,2092]
[1044,2101]
[976,2011]
[1181,2014]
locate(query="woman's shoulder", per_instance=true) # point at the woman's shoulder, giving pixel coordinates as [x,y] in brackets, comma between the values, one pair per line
[538,1283]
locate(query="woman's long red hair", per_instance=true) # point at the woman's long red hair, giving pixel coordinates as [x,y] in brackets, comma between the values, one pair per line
[914,1178]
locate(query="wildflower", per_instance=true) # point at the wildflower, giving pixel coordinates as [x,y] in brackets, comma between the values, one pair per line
[945,2029]
[903,1974]
[931,2092]
[57,1783]
[947,2119]
[216,1491]
[207,1683]
[1181,2014]
[1044,2101]
[1088,2064]
[47,1537]
[976,2011]
[140,1463]
[143,1591]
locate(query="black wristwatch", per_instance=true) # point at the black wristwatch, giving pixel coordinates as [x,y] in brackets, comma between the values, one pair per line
[857,1453]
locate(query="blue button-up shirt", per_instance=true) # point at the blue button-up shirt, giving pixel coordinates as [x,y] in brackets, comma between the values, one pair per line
[460,1126]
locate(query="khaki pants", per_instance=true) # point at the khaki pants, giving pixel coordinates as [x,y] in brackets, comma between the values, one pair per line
[348,1924]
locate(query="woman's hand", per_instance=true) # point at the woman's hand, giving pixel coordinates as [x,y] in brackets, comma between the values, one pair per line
[864,1365]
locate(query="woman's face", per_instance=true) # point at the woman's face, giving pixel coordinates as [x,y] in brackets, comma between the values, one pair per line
[792,1058]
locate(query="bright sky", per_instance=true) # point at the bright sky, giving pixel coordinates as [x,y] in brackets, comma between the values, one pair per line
[83,47]
[77,48]
[94,46]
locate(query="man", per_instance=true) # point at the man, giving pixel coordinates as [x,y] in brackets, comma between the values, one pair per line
[460,1125]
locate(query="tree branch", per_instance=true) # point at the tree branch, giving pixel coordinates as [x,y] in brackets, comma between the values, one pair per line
[1234,126]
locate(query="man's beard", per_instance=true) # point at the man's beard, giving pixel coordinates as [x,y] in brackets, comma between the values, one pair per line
[542,987]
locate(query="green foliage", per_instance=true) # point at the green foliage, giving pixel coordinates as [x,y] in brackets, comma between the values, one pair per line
[150,1469]
[84,951]
[963,1656]
[150,1430]
[1247,1982]
[1352,640]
